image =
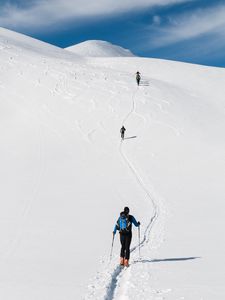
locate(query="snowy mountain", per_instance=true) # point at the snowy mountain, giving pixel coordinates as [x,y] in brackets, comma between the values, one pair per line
[96,48]
[21,42]
[65,175]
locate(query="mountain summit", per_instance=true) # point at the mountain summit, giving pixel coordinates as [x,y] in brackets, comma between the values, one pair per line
[96,48]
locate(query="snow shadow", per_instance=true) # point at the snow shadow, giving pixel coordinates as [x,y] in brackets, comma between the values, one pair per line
[144,83]
[113,284]
[174,259]
[130,137]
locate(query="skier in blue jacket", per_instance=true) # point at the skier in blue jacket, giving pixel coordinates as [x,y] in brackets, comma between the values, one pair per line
[124,225]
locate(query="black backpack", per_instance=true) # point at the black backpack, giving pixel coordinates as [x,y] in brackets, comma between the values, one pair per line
[138,76]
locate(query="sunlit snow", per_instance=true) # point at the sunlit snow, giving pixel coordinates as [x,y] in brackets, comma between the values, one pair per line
[65,175]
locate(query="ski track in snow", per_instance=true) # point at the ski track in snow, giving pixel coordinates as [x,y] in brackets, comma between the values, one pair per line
[119,273]
[116,288]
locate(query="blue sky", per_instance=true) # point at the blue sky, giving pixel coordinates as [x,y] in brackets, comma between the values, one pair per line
[186,30]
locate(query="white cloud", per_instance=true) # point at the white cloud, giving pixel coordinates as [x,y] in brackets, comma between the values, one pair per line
[156,20]
[192,25]
[45,12]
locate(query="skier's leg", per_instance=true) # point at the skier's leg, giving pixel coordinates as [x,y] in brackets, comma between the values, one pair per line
[127,246]
[122,241]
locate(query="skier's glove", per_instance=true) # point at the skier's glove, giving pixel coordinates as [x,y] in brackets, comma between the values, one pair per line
[139,223]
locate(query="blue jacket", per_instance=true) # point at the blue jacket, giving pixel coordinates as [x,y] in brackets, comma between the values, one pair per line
[131,219]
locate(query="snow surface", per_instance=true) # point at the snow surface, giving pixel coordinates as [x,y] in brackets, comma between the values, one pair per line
[65,175]
[96,48]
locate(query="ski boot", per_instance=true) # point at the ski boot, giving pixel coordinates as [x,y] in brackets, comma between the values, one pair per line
[126,262]
[121,261]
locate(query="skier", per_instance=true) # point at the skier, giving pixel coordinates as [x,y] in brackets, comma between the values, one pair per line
[138,77]
[122,131]
[124,225]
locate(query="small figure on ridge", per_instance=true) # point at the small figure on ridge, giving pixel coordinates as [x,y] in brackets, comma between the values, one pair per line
[122,131]
[138,77]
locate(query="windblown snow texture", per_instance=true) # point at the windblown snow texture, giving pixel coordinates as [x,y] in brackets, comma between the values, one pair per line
[65,175]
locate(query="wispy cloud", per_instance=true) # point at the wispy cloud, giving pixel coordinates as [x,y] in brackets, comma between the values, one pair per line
[40,13]
[195,24]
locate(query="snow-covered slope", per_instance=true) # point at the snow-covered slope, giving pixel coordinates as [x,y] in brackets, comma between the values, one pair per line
[96,48]
[20,42]
[65,175]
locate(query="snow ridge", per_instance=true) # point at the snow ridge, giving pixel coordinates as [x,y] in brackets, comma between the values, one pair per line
[96,48]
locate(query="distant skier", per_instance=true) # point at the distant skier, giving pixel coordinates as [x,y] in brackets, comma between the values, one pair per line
[122,131]
[124,225]
[138,77]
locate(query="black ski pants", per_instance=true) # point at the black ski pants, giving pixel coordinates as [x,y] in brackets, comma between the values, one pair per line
[125,240]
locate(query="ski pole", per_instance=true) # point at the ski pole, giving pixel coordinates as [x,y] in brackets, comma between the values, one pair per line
[112,247]
[139,241]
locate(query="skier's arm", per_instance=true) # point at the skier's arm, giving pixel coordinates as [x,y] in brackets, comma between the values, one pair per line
[133,220]
[116,227]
